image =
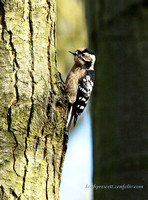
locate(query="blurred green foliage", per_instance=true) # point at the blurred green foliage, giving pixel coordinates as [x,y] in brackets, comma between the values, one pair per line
[71,31]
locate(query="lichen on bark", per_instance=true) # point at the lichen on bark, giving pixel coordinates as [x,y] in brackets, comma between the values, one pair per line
[32,131]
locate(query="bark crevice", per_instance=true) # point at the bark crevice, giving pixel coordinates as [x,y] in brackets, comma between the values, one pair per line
[32,103]
[48,53]
[14,52]
[47,172]
[31,35]
[9,121]
[2,191]
[2,20]
[25,167]
[54,169]
[48,12]
[14,194]
[13,152]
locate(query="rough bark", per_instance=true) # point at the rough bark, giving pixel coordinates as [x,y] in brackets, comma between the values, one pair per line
[118,33]
[32,107]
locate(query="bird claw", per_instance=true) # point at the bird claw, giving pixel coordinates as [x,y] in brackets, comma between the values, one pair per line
[60,77]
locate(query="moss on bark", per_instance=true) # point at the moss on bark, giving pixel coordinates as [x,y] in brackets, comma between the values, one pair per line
[33,110]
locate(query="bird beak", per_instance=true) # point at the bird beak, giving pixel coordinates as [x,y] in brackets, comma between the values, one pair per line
[73,52]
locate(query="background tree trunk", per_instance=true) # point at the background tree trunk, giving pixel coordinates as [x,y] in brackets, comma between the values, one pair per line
[118,33]
[32,109]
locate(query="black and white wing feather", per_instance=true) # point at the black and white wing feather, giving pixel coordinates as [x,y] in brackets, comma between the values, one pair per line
[84,90]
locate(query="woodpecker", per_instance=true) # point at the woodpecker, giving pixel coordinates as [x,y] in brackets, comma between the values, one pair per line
[79,83]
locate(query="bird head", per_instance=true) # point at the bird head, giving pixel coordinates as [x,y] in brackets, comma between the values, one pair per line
[84,57]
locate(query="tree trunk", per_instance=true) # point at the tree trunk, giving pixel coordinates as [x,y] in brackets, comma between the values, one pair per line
[118,33]
[32,107]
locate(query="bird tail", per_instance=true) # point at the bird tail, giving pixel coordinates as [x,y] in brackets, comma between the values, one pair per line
[75,119]
[70,117]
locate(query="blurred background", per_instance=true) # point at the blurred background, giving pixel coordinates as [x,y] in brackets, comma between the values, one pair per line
[77,170]
[109,146]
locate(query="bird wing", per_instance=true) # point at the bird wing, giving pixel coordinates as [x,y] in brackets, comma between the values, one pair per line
[84,90]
